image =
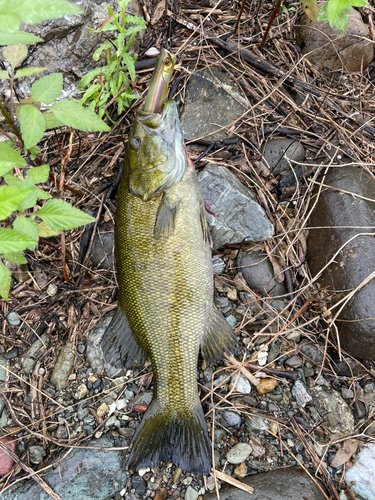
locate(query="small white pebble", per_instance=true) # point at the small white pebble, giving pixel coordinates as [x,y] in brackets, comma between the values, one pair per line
[52,289]
[142,472]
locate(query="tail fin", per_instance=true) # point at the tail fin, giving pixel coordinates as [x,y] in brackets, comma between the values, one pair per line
[179,437]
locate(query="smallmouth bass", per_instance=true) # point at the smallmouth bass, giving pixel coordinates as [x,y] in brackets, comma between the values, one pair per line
[165,309]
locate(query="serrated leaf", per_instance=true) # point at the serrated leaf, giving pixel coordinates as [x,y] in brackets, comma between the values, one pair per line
[46,231]
[10,197]
[18,37]
[12,180]
[38,174]
[47,89]
[28,201]
[72,114]
[15,54]
[33,125]
[15,258]
[4,281]
[9,21]
[51,121]
[61,216]
[39,10]
[9,158]
[28,72]
[4,75]
[43,195]
[13,241]
[29,227]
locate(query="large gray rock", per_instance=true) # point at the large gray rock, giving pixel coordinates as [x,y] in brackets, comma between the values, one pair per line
[68,47]
[361,477]
[233,214]
[84,474]
[212,101]
[258,273]
[333,410]
[356,323]
[276,152]
[325,47]
[281,484]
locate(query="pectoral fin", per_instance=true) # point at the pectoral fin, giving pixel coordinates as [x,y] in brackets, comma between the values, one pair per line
[166,216]
[204,223]
[120,348]
[219,338]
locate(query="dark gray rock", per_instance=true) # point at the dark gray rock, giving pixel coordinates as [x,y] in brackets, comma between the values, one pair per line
[334,411]
[356,323]
[102,251]
[234,215]
[29,361]
[83,474]
[276,152]
[212,101]
[258,273]
[36,454]
[94,352]
[68,46]
[143,398]
[281,484]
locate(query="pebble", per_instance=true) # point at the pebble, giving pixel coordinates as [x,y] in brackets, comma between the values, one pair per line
[102,410]
[231,320]
[311,351]
[13,319]
[240,383]
[52,289]
[300,393]
[143,398]
[63,367]
[334,411]
[61,432]
[36,454]
[81,348]
[121,403]
[221,302]
[262,357]
[191,494]
[257,424]
[139,484]
[82,391]
[111,421]
[361,477]
[267,385]
[218,265]
[240,471]
[6,463]
[210,483]
[257,448]
[41,371]
[294,362]
[72,376]
[231,418]
[239,453]
[359,409]
[177,475]
[232,294]
[12,353]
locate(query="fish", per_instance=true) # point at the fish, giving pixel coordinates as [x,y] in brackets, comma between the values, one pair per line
[165,310]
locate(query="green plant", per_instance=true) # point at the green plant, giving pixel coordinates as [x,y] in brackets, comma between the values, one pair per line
[20,229]
[112,81]
[336,12]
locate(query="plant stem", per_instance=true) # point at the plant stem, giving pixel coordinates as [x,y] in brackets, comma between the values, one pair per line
[10,121]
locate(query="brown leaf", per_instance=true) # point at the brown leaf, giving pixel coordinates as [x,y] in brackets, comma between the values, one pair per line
[158,12]
[343,455]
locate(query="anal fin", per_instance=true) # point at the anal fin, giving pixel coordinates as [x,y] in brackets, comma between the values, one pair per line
[120,348]
[219,338]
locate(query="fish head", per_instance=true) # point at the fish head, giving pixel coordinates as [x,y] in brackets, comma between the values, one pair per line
[155,157]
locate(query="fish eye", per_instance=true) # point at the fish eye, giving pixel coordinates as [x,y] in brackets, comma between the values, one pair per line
[135,142]
[167,61]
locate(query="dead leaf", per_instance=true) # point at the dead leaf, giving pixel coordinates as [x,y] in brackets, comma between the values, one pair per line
[344,454]
[310,7]
[158,12]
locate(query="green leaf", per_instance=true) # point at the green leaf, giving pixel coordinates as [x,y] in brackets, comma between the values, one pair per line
[39,10]
[13,241]
[28,72]
[129,62]
[90,76]
[9,21]
[99,50]
[34,151]
[18,37]
[9,158]
[33,125]
[61,216]
[29,201]
[39,174]
[4,75]
[12,180]
[72,114]
[29,227]
[10,197]
[43,195]
[15,258]
[51,121]
[47,89]
[46,231]
[15,54]
[4,281]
